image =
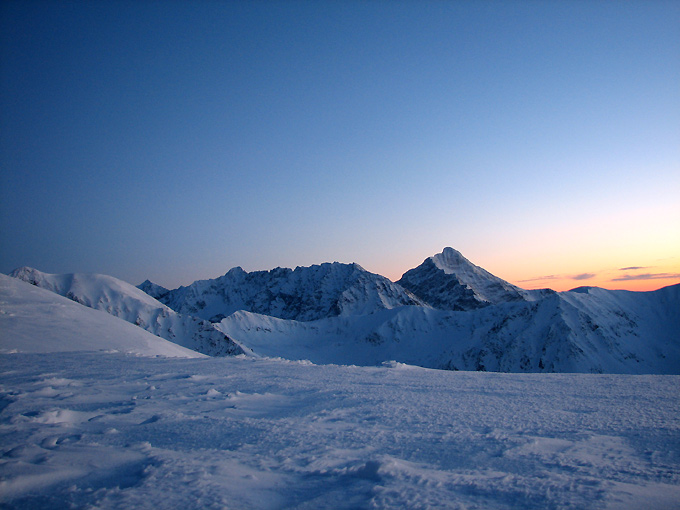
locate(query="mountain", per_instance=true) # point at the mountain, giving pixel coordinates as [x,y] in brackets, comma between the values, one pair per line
[127,302]
[449,281]
[586,331]
[37,320]
[464,318]
[152,289]
[303,294]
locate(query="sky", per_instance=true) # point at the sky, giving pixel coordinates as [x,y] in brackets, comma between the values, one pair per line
[176,140]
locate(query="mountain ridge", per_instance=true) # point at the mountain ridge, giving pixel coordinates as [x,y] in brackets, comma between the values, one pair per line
[122,300]
[449,281]
[460,317]
[304,293]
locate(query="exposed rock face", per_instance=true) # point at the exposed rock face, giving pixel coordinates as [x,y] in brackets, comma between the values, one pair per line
[152,289]
[449,281]
[303,294]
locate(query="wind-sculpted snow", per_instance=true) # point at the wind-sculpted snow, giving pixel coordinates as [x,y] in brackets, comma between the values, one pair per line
[304,294]
[94,430]
[127,302]
[37,320]
[599,331]
[449,281]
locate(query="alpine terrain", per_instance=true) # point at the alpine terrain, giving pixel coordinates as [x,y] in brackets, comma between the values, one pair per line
[127,302]
[98,412]
[303,294]
[447,314]
[449,281]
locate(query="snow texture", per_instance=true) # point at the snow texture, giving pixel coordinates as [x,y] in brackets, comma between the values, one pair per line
[127,302]
[98,413]
[109,431]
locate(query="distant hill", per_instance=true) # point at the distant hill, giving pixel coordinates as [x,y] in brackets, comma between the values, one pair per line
[127,302]
[37,320]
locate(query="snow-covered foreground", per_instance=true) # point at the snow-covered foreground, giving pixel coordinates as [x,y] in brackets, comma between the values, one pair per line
[103,430]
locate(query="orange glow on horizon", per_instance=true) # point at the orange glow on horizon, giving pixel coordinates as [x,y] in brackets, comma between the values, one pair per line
[537,274]
[564,284]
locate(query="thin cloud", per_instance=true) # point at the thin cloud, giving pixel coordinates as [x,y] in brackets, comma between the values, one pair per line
[584,276]
[633,268]
[540,278]
[647,276]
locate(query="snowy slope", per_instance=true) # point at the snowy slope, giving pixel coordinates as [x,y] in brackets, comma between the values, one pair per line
[127,302]
[37,320]
[152,289]
[449,281]
[599,331]
[305,293]
[86,430]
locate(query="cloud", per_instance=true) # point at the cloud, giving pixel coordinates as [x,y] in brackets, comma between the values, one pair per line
[632,268]
[548,277]
[584,276]
[647,276]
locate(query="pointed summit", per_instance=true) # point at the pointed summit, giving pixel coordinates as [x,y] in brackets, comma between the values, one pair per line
[152,289]
[451,261]
[449,281]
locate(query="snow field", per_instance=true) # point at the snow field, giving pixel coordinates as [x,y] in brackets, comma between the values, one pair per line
[98,430]
[37,320]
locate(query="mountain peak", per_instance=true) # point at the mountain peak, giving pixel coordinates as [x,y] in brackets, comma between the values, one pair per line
[450,260]
[25,273]
[152,289]
[303,294]
[449,281]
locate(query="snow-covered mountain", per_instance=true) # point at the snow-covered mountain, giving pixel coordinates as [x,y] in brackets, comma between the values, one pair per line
[152,289]
[464,318]
[304,294]
[449,281]
[127,302]
[593,330]
[37,320]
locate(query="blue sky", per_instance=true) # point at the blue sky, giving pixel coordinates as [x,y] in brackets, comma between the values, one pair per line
[175,140]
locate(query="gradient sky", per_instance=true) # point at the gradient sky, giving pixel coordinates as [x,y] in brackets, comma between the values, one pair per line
[175,140]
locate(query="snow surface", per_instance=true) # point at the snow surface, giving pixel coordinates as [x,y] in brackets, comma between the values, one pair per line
[597,331]
[131,304]
[97,430]
[37,320]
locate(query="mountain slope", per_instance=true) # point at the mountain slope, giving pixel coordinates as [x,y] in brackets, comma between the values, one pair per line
[305,293]
[37,320]
[127,302]
[449,281]
[600,331]
[152,289]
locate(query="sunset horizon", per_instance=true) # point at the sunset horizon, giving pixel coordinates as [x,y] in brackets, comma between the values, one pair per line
[174,142]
